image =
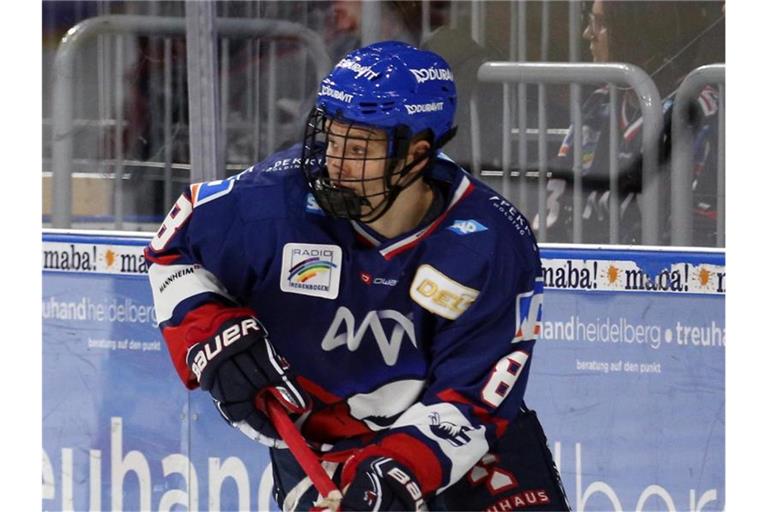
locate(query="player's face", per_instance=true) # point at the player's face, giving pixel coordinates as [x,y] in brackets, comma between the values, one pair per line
[597,33]
[356,158]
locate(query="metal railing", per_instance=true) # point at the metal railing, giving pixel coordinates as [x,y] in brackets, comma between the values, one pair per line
[470,15]
[682,154]
[474,17]
[64,75]
[612,73]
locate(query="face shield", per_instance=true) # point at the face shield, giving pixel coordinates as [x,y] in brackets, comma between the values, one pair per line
[355,171]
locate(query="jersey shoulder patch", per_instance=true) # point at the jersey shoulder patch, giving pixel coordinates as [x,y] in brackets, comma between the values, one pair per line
[205,192]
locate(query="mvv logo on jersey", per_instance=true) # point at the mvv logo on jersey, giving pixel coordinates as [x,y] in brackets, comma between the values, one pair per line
[343,331]
[311,269]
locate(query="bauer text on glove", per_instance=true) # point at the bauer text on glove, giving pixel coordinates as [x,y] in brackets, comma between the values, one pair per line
[238,366]
[380,483]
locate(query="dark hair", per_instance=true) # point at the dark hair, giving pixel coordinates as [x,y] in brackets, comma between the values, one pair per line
[644,33]
[655,34]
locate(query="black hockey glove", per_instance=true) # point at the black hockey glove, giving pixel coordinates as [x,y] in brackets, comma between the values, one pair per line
[380,483]
[238,366]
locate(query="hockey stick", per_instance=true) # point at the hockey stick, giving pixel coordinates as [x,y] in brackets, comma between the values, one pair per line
[330,497]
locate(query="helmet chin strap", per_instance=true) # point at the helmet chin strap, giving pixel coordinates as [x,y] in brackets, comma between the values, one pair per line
[344,203]
[396,188]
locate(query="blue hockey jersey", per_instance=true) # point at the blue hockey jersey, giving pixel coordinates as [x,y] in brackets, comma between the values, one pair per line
[419,345]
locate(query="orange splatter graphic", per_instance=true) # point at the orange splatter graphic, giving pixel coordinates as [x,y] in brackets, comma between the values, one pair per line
[613,274]
[704,276]
[109,256]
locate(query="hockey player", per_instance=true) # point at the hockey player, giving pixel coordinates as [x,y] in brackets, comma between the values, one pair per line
[386,298]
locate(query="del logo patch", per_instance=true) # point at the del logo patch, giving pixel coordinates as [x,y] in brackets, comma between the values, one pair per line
[311,269]
[438,293]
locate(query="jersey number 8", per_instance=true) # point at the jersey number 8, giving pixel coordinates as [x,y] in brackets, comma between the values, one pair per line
[172,223]
[503,378]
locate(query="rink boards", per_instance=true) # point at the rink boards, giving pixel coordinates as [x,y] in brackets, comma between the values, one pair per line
[627,378]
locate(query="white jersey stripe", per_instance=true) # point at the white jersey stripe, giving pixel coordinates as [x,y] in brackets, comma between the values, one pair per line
[363,233]
[171,284]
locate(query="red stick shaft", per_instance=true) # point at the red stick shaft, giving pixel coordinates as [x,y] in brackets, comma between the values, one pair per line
[298,446]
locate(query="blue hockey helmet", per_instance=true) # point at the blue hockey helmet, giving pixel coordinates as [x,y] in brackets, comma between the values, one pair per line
[406,93]
[389,85]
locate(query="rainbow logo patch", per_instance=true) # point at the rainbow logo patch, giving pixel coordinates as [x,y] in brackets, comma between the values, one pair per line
[311,269]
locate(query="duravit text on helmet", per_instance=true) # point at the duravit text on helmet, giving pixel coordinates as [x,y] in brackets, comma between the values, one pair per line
[361,71]
[425,74]
[333,93]
[424,107]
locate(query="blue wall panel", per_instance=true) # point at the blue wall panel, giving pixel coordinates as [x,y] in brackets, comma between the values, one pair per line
[628,379]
